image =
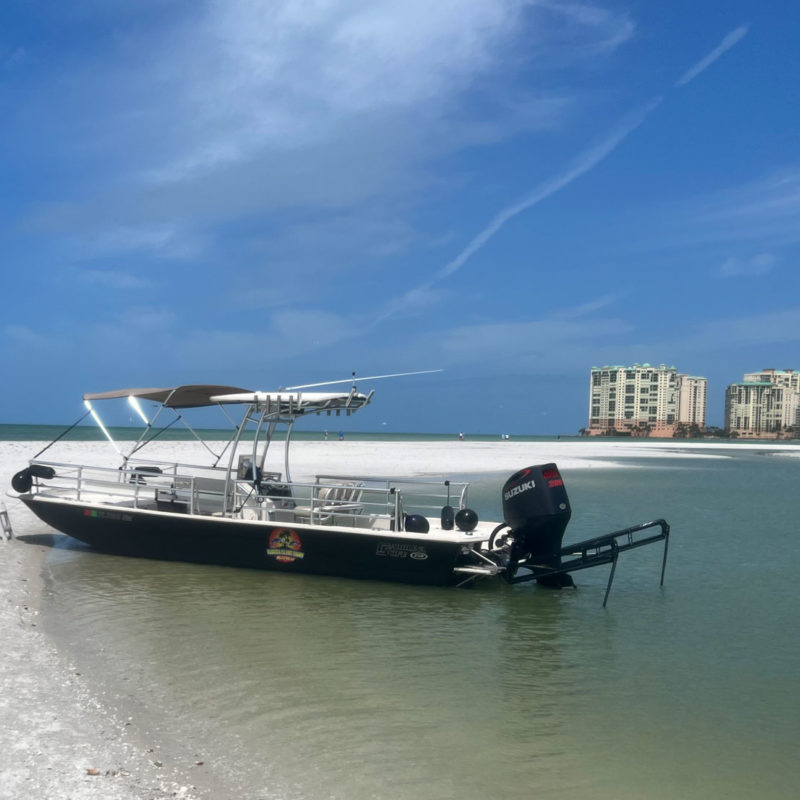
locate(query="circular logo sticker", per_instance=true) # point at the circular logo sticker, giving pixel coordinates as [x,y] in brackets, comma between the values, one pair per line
[285,545]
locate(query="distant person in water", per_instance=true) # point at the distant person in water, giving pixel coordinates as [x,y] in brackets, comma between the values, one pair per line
[326,436]
[341,435]
[461,437]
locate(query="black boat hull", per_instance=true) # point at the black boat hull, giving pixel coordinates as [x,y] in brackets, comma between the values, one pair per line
[386,556]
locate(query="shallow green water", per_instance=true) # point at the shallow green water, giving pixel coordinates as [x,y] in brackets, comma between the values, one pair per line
[304,687]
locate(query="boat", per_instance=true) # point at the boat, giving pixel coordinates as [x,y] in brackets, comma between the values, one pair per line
[242,509]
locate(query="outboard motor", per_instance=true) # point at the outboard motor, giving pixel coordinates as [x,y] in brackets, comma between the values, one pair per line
[536,509]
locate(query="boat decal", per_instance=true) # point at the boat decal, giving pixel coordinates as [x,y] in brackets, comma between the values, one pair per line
[402,550]
[285,545]
[100,514]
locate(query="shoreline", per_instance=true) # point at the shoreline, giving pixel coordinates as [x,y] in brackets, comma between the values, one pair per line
[57,739]
[56,727]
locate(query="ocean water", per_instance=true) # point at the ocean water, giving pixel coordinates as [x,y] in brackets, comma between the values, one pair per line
[89,432]
[306,687]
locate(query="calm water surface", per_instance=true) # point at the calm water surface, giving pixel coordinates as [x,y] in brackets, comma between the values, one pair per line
[304,687]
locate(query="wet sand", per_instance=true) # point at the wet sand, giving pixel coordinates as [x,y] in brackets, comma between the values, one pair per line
[59,738]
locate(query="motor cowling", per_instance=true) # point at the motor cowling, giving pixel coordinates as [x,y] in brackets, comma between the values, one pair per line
[537,510]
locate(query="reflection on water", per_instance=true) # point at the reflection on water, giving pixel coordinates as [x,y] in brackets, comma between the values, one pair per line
[307,687]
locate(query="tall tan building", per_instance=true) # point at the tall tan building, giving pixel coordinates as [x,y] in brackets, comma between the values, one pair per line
[644,400]
[638,399]
[692,400]
[765,405]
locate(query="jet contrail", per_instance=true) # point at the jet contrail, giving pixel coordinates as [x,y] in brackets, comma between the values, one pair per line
[585,161]
[729,41]
[580,166]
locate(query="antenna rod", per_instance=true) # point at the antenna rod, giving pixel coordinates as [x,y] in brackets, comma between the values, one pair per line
[367,378]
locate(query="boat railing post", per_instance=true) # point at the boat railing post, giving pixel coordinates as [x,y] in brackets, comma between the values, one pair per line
[395,500]
[316,502]
[80,482]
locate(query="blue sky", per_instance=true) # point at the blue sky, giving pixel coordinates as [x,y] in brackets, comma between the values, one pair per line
[269,193]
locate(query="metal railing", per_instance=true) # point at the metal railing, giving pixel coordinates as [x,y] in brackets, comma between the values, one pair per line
[362,502]
[420,495]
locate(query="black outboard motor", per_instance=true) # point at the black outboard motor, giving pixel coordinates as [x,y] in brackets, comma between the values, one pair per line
[536,508]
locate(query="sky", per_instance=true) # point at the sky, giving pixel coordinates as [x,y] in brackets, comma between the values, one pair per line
[268,193]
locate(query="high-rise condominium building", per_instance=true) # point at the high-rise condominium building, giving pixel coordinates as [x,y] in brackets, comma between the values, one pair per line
[780,377]
[765,405]
[644,400]
[692,400]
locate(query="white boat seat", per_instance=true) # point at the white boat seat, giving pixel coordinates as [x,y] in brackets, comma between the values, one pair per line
[330,501]
[342,498]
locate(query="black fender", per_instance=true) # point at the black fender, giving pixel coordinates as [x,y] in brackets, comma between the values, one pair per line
[22,481]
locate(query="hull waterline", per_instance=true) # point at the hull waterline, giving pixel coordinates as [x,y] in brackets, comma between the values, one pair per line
[255,545]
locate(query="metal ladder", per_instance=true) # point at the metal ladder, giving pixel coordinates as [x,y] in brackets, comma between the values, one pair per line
[5,523]
[603,549]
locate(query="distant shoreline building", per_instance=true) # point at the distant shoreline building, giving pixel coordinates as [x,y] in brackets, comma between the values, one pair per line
[765,405]
[645,400]
[692,401]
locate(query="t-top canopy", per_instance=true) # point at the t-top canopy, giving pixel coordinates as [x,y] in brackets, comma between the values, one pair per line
[282,402]
[176,397]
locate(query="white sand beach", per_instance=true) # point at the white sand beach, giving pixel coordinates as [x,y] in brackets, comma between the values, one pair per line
[59,739]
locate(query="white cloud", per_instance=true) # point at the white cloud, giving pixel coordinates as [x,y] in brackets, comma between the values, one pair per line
[748,267]
[273,115]
[567,338]
[777,195]
[113,279]
[93,233]
[767,208]
[763,212]
[372,232]
[239,80]
[163,241]
[146,319]
[27,337]
[769,328]
[275,75]
[774,333]
[541,343]
[585,308]
[590,28]
[298,330]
